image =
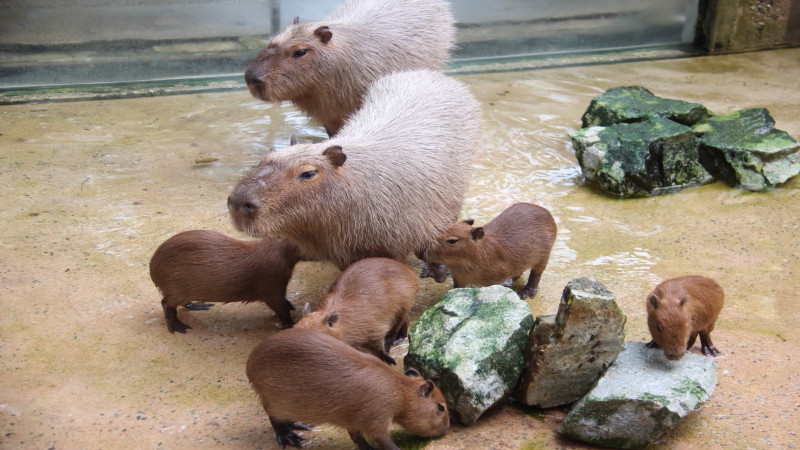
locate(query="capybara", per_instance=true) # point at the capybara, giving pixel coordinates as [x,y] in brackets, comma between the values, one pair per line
[681,308]
[207,266]
[306,376]
[520,238]
[367,306]
[326,67]
[386,186]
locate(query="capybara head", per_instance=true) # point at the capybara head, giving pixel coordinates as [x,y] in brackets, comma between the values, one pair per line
[668,318]
[323,321]
[291,65]
[286,190]
[458,242]
[426,413]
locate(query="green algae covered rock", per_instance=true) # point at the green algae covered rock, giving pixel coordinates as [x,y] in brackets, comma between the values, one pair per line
[626,104]
[641,397]
[471,343]
[568,352]
[640,159]
[745,150]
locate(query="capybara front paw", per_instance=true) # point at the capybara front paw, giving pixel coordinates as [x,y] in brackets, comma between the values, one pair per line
[710,350]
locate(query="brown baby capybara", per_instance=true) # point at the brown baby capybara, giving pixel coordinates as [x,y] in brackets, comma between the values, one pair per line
[681,308]
[367,306]
[385,186]
[304,376]
[520,238]
[206,266]
[326,67]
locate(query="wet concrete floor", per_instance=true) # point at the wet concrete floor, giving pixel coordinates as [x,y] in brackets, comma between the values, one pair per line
[90,189]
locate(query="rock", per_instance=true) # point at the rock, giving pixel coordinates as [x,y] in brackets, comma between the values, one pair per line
[640,159]
[641,397]
[471,343]
[567,352]
[627,104]
[744,149]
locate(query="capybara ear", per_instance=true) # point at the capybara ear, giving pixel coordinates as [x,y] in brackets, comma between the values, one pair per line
[477,233]
[426,389]
[306,309]
[335,155]
[653,300]
[331,318]
[296,20]
[324,34]
[469,222]
[412,372]
[293,139]
[684,299]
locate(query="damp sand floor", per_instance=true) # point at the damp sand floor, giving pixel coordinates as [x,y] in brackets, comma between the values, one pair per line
[90,189]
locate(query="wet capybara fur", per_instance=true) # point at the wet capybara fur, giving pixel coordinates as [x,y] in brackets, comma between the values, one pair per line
[304,376]
[387,185]
[199,266]
[518,239]
[680,309]
[326,67]
[367,306]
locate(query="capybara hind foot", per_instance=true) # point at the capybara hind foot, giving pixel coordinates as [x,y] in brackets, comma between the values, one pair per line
[531,287]
[173,323]
[285,435]
[198,306]
[388,359]
[284,315]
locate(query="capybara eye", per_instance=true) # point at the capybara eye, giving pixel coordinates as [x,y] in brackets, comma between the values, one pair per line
[299,53]
[451,241]
[307,175]
[440,407]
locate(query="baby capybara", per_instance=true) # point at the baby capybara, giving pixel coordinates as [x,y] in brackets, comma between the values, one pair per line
[367,306]
[306,376]
[326,67]
[520,238]
[385,186]
[681,308]
[207,266]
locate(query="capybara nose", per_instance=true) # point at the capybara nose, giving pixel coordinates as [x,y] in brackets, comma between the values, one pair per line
[251,77]
[241,203]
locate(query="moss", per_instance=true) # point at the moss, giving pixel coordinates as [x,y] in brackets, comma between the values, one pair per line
[694,389]
[648,397]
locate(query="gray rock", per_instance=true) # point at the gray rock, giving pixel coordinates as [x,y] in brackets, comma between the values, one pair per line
[567,352]
[745,150]
[640,159]
[641,397]
[626,104]
[471,343]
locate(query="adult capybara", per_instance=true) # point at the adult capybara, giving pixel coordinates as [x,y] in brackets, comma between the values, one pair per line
[207,266]
[681,308]
[386,186]
[367,306]
[326,67]
[520,238]
[306,376]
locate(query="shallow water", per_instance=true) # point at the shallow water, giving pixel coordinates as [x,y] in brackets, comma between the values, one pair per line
[92,188]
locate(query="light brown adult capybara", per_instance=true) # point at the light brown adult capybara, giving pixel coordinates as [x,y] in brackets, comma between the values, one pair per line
[681,308]
[367,306]
[207,266]
[326,67]
[520,238]
[385,186]
[304,376]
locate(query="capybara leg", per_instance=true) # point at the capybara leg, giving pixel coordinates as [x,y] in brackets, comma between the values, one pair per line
[173,323]
[692,338]
[384,355]
[706,346]
[531,286]
[402,333]
[198,306]
[283,313]
[386,443]
[651,344]
[359,440]
[285,435]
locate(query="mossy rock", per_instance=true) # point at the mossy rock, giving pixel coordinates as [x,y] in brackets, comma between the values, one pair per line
[627,104]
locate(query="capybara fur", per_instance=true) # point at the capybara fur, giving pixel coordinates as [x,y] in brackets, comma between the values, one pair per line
[681,308]
[326,67]
[518,239]
[304,376]
[387,185]
[367,306]
[207,266]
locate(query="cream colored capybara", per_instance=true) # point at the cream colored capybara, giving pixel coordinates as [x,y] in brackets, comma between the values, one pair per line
[326,67]
[520,238]
[386,186]
[367,306]
[207,266]
[306,376]
[681,308]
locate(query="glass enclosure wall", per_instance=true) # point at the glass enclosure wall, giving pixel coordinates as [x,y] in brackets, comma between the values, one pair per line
[67,42]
